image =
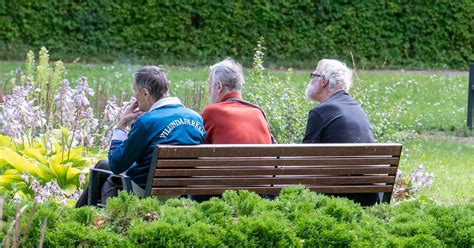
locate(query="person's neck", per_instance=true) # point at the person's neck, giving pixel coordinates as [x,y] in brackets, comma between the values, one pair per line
[224,94]
[329,95]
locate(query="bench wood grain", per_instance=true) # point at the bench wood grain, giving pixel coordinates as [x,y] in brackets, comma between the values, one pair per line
[266,169]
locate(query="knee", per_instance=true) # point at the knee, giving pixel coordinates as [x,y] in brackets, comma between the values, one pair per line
[103,165]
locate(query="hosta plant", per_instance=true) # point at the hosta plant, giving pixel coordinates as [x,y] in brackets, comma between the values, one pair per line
[45,171]
[51,134]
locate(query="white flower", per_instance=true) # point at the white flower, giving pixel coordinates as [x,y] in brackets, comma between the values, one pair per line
[19,114]
[82,179]
[25,177]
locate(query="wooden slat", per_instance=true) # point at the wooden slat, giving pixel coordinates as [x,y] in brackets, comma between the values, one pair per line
[277,162]
[320,180]
[271,190]
[361,149]
[275,171]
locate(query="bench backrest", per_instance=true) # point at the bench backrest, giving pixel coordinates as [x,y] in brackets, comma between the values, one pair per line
[266,169]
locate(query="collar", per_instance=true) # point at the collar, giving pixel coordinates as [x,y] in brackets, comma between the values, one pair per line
[166,101]
[231,95]
[335,94]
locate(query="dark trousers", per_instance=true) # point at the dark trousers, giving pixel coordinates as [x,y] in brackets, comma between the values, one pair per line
[109,185]
[364,199]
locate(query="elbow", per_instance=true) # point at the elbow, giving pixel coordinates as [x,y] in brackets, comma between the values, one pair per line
[115,165]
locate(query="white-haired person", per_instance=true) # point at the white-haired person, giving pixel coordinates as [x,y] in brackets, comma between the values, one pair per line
[229,119]
[338,118]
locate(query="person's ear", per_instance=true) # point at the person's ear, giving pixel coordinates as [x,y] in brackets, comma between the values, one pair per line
[324,82]
[219,86]
[146,92]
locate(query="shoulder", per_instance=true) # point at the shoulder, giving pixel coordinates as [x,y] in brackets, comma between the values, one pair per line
[187,112]
[213,109]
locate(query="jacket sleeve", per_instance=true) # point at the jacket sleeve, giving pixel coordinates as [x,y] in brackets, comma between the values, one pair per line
[207,119]
[314,128]
[122,154]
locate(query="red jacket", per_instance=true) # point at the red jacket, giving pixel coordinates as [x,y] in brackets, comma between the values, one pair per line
[231,122]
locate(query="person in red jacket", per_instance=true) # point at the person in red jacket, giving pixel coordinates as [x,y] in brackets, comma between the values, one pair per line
[229,119]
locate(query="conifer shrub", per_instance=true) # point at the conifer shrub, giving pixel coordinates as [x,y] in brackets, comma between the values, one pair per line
[295,218]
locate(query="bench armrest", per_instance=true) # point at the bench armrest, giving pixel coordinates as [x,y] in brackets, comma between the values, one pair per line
[95,191]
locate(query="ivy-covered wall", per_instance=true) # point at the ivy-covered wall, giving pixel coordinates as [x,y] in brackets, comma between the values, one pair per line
[389,34]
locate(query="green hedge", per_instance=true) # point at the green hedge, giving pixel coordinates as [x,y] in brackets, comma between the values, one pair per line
[415,34]
[297,218]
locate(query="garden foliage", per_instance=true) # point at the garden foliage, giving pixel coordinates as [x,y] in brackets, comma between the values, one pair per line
[297,218]
[51,135]
[285,107]
[416,34]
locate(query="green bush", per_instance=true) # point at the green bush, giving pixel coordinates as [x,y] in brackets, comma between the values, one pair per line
[73,234]
[285,107]
[296,218]
[412,34]
[162,234]
[269,229]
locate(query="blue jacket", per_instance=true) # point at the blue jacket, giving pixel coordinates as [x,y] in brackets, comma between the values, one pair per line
[169,123]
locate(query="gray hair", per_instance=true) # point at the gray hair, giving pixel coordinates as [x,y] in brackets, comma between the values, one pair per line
[339,76]
[229,73]
[154,79]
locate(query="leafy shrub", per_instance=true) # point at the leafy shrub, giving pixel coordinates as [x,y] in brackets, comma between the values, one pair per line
[51,133]
[375,33]
[125,208]
[296,202]
[296,218]
[217,211]
[285,107]
[269,229]
[198,234]
[343,210]
[73,234]
[243,203]
[84,215]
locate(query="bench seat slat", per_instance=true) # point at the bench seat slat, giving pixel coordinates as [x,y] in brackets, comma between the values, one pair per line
[278,161]
[271,190]
[266,169]
[170,151]
[275,171]
[307,180]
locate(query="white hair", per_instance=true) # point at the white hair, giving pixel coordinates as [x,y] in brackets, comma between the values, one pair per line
[339,76]
[229,73]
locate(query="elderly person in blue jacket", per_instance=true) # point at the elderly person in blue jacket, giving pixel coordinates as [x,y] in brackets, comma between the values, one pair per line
[157,119]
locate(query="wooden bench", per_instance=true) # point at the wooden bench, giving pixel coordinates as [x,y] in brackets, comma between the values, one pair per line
[266,169]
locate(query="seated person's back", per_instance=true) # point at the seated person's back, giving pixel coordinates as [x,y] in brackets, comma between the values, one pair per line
[157,119]
[229,119]
[339,119]
[233,122]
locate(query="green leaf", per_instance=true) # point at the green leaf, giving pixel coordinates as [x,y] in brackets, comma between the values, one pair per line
[36,154]
[18,162]
[6,141]
[7,180]
[73,154]
[61,170]
[11,172]
[70,188]
[73,173]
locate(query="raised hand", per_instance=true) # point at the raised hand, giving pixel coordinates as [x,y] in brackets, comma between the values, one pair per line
[130,114]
